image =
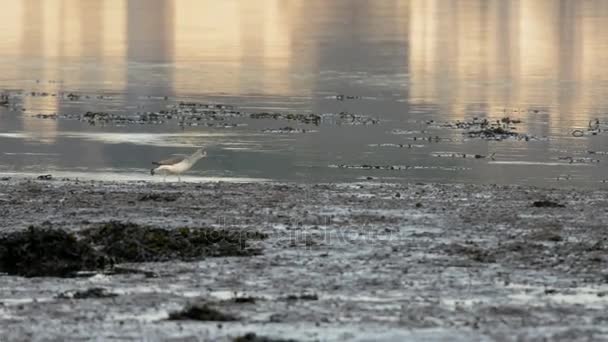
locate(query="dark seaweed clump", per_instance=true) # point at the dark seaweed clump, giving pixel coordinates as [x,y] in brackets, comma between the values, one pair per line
[47,252]
[129,242]
[304,296]
[40,252]
[201,312]
[252,337]
[547,204]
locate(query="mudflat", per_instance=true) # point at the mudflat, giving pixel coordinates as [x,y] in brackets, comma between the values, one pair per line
[272,261]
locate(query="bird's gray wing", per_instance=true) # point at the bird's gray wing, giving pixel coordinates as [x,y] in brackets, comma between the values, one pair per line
[170,161]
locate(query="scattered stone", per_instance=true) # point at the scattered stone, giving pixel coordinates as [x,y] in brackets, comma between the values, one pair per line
[201,312]
[94,292]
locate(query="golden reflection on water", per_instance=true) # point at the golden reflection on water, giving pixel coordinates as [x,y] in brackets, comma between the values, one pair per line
[509,53]
[458,54]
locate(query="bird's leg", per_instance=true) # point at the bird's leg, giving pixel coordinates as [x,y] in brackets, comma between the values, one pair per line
[179,179]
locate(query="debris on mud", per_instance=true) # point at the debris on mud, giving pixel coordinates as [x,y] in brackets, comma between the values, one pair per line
[129,242]
[94,292]
[252,337]
[159,197]
[303,296]
[45,252]
[201,312]
[45,177]
[245,300]
[547,204]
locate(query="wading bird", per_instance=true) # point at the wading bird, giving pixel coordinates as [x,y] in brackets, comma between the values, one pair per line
[177,165]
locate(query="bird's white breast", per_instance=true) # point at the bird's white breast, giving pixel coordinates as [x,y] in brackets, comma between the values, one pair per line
[182,166]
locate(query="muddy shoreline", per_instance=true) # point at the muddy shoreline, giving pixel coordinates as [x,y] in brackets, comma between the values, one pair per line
[361,261]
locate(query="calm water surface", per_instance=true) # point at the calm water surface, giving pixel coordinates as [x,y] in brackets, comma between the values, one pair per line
[544,62]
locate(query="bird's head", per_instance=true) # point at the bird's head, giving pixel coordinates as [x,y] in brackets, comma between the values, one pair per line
[200,153]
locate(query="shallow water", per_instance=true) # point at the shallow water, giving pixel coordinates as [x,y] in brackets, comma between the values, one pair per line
[405,62]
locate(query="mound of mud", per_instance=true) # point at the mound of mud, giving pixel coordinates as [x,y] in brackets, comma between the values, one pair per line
[129,242]
[39,252]
[201,312]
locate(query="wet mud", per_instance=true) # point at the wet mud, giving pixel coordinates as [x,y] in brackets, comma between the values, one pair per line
[363,261]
